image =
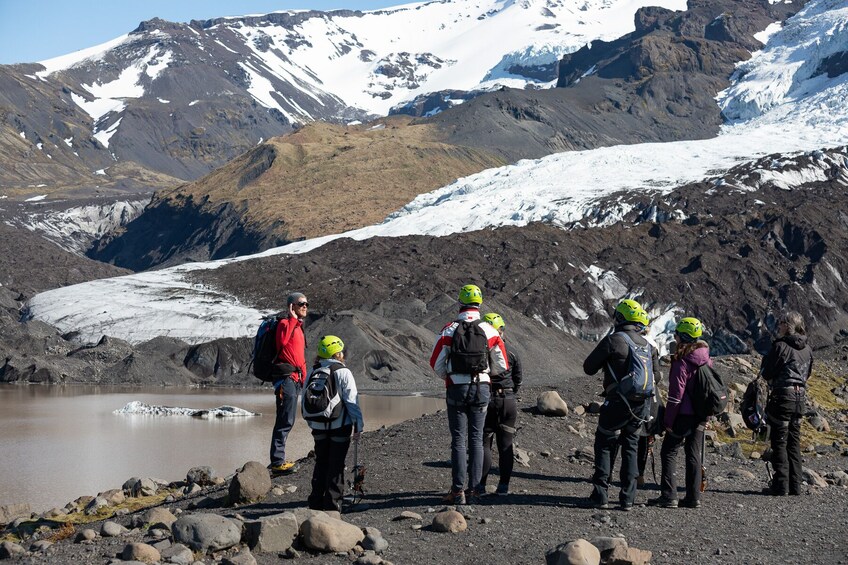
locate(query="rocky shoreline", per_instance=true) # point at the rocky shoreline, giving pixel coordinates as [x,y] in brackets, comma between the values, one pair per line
[248,517]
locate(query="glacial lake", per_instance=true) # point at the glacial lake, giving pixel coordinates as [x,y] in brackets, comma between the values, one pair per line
[61,442]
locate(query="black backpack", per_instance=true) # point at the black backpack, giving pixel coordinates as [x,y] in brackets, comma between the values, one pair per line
[638,383]
[469,350]
[321,401]
[265,349]
[753,407]
[709,393]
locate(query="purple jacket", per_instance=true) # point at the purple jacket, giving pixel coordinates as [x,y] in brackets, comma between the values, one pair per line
[680,382]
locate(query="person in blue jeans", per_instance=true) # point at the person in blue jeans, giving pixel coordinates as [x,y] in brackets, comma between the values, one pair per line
[467,351]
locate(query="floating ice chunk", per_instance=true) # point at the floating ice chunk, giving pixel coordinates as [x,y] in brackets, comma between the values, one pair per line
[137,407]
[37,198]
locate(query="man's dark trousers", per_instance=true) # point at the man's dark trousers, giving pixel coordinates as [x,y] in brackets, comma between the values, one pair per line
[286,412]
[618,425]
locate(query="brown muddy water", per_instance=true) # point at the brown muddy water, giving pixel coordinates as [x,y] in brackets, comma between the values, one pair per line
[61,442]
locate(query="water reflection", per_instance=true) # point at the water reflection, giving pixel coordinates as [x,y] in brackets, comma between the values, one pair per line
[62,442]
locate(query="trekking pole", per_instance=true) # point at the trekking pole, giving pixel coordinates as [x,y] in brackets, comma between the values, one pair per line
[703,485]
[651,440]
[358,484]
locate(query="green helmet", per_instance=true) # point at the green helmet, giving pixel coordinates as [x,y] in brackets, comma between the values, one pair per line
[632,311]
[329,345]
[470,294]
[495,320]
[691,327]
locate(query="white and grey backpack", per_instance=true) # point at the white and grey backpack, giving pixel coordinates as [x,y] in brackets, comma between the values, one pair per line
[321,401]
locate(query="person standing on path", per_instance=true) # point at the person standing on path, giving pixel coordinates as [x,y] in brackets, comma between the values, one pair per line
[289,374]
[466,352]
[332,438]
[501,415]
[682,426]
[787,368]
[621,418]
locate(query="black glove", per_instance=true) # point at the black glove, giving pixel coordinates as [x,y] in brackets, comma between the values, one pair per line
[516,389]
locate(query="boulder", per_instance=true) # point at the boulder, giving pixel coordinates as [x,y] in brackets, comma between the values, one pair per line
[9,550]
[812,478]
[521,456]
[549,403]
[837,478]
[577,552]
[129,484]
[407,515]
[324,533]
[206,532]
[449,521]
[200,476]
[11,511]
[274,533]
[141,552]
[144,487]
[251,483]
[819,423]
[177,553]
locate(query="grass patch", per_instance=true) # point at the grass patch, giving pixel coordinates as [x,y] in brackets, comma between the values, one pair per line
[809,437]
[131,504]
[820,385]
[743,438]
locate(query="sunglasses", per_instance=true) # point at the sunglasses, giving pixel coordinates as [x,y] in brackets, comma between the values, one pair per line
[301,304]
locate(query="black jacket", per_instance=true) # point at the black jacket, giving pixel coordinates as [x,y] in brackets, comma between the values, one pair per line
[612,351]
[512,377]
[789,362]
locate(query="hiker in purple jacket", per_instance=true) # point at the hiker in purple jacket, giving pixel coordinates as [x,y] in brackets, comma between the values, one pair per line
[682,427]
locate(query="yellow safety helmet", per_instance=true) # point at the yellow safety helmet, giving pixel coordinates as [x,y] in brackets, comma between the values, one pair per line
[690,328]
[329,345]
[470,294]
[495,320]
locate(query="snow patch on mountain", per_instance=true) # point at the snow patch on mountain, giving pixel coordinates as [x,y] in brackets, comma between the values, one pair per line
[67,61]
[560,189]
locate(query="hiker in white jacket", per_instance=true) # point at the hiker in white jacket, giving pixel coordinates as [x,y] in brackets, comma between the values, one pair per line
[339,421]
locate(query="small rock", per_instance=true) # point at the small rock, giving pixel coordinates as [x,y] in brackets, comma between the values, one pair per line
[449,521]
[580,410]
[159,518]
[114,496]
[628,556]
[375,543]
[40,546]
[177,553]
[111,529]
[819,423]
[200,476]
[577,552]
[812,478]
[325,533]
[206,532]
[756,455]
[145,487]
[545,453]
[521,456]
[741,474]
[550,403]
[251,483]
[243,557]
[407,515]
[192,489]
[277,491]
[85,535]
[837,478]
[140,552]
[369,558]
[95,506]
[274,533]
[607,544]
[9,550]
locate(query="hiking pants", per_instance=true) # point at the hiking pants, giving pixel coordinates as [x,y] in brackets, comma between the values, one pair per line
[618,428]
[689,432]
[286,411]
[466,406]
[328,476]
[500,423]
[784,410]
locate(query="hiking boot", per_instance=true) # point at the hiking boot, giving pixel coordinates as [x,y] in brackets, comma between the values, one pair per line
[502,490]
[663,502]
[454,498]
[689,503]
[592,503]
[640,481]
[768,491]
[283,468]
[625,507]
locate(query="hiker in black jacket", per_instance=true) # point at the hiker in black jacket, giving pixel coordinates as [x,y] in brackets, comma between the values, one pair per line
[620,420]
[501,415]
[787,367]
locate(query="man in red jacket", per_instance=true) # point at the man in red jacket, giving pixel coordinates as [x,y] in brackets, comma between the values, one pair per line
[289,374]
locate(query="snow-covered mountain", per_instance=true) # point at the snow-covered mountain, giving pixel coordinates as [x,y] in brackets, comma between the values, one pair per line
[181,99]
[783,109]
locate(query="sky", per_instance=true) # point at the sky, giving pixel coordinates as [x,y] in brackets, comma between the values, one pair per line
[35,30]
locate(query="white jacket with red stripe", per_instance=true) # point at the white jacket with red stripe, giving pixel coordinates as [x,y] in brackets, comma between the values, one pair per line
[440,359]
